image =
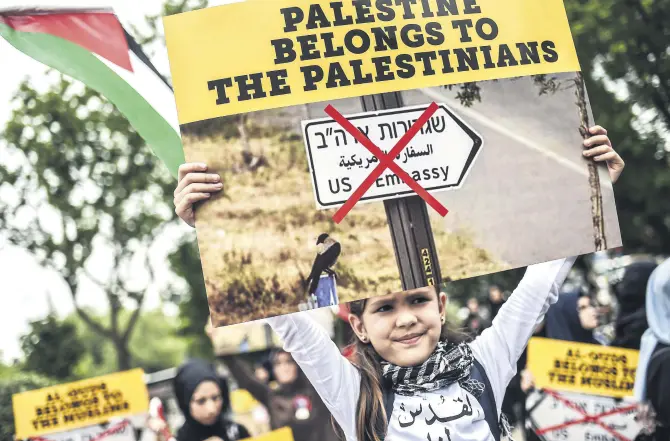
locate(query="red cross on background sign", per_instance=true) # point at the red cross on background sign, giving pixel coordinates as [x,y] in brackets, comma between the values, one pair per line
[585,417]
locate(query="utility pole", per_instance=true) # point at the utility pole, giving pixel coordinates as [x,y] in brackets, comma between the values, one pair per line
[408,220]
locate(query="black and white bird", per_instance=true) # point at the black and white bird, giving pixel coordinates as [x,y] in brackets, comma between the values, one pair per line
[328,250]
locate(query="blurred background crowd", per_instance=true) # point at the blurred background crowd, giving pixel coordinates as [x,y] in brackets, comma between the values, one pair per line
[93,288]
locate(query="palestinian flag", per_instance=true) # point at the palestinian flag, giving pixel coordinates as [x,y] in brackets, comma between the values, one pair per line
[92,46]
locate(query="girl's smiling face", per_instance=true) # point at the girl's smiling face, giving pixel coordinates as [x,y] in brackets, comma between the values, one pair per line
[403,328]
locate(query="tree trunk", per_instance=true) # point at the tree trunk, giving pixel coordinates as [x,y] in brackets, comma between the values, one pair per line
[594,179]
[123,357]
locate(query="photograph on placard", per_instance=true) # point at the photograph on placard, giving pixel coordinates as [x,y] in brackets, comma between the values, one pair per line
[335,148]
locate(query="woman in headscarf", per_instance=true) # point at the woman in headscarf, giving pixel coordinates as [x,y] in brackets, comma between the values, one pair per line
[572,318]
[631,321]
[203,398]
[652,382]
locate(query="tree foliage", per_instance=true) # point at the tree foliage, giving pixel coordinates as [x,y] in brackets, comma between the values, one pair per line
[85,189]
[192,301]
[52,348]
[7,370]
[629,40]
[19,382]
[155,344]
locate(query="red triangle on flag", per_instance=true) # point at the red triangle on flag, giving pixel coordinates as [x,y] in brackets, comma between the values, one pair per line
[99,32]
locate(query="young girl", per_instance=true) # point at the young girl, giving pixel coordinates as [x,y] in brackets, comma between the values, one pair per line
[408,380]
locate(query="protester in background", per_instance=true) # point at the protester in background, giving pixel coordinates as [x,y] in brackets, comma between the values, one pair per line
[203,398]
[572,318]
[293,402]
[474,323]
[496,300]
[631,321]
[652,382]
[261,373]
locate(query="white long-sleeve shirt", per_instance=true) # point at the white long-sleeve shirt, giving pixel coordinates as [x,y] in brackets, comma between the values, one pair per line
[448,414]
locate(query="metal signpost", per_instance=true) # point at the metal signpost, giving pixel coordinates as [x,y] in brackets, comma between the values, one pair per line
[409,223]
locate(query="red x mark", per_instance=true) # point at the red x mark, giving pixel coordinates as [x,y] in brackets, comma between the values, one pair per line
[385,161]
[587,418]
[111,431]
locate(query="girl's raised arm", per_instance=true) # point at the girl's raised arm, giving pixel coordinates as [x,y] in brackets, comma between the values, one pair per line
[335,379]
[500,346]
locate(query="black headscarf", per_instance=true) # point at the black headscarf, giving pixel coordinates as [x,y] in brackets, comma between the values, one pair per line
[631,322]
[298,386]
[562,321]
[188,377]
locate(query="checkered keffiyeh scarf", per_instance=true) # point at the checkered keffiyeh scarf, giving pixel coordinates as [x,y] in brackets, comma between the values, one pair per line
[449,363]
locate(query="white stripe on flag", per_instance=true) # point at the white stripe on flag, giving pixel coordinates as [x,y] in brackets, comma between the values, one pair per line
[150,87]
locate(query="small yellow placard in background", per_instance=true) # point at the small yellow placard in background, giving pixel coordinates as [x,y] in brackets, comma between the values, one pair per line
[242,401]
[580,367]
[83,403]
[283,434]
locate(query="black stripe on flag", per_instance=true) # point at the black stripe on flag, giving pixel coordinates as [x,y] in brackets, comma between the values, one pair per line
[139,53]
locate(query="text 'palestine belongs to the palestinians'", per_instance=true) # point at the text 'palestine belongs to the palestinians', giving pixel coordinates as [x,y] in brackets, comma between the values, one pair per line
[319,51]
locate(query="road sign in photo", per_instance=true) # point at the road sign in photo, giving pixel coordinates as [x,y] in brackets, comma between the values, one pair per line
[438,158]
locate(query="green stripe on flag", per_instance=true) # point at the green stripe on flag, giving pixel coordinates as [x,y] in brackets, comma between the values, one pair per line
[79,63]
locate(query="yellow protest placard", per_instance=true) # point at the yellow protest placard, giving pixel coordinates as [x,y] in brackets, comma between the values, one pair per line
[83,403]
[241,401]
[265,54]
[283,434]
[580,367]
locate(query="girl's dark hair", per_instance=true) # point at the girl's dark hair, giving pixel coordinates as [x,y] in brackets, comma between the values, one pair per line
[371,423]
